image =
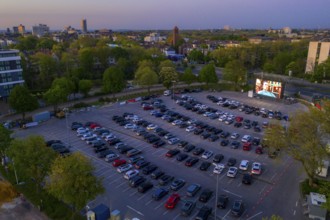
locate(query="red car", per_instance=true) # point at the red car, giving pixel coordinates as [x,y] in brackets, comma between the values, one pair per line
[148,107]
[239,119]
[259,150]
[94,125]
[172,201]
[247,146]
[118,162]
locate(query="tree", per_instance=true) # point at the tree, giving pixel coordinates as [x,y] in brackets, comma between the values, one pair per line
[168,75]
[196,56]
[86,62]
[188,77]
[32,158]
[85,86]
[72,180]
[59,92]
[208,74]
[113,80]
[302,140]
[146,77]
[235,72]
[22,101]
[166,63]
[5,140]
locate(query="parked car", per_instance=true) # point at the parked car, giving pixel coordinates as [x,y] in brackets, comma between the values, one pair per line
[187,208]
[218,158]
[172,201]
[205,195]
[149,169]
[256,168]
[207,154]
[181,156]
[130,174]
[123,168]
[118,162]
[136,181]
[222,201]
[145,186]
[157,174]
[198,151]
[232,172]
[203,213]
[165,179]
[244,165]
[219,168]
[193,189]
[231,161]
[247,178]
[172,152]
[204,166]
[237,208]
[191,161]
[177,184]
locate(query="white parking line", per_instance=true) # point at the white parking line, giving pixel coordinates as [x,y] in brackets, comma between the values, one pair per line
[232,193]
[114,181]
[224,217]
[144,195]
[239,185]
[128,188]
[120,185]
[263,189]
[165,212]
[147,203]
[161,204]
[140,213]
[254,216]
[132,194]
[177,216]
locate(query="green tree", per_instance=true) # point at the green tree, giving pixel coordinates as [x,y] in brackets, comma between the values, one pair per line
[21,100]
[86,62]
[166,63]
[72,180]
[188,77]
[5,140]
[45,43]
[85,86]
[168,76]
[27,43]
[235,72]
[113,80]
[146,77]
[302,140]
[60,90]
[208,74]
[196,56]
[48,69]
[32,158]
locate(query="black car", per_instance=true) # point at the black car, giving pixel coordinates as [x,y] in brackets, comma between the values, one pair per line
[224,134]
[182,143]
[222,201]
[257,129]
[136,181]
[204,213]
[231,162]
[141,163]
[159,193]
[187,208]
[191,161]
[247,179]
[218,158]
[213,137]
[76,125]
[51,142]
[205,165]
[145,187]
[99,149]
[235,144]
[217,131]
[165,179]
[149,169]
[114,141]
[205,195]
[256,141]
[156,174]
[224,142]
[189,148]
[98,144]
[177,184]
[198,131]
[159,143]
[123,149]
[172,152]
[238,124]
[198,151]
[181,156]
[104,153]
[238,208]
[205,135]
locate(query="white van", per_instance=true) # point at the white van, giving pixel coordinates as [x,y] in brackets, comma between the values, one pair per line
[167,92]
[130,174]
[111,157]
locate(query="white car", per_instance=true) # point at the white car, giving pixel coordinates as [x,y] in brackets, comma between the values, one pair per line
[244,165]
[234,135]
[176,122]
[207,154]
[92,139]
[246,138]
[151,127]
[130,174]
[256,168]
[109,137]
[190,128]
[86,136]
[124,168]
[223,118]
[82,133]
[232,172]
[218,168]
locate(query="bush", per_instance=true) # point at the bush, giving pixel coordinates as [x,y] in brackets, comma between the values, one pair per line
[81,105]
[7,192]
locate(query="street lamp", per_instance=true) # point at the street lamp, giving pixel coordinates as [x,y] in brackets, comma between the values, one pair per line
[15,172]
[216,193]
[66,111]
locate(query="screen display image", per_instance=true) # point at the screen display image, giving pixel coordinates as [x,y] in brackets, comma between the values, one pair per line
[269,88]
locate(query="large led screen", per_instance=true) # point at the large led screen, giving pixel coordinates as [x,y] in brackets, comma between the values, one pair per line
[269,88]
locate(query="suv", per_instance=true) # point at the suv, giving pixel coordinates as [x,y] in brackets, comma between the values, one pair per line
[222,201]
[157,174]
[145,187]
[187,208]
[203,213]
[159,193]
[136,181]
[206,195]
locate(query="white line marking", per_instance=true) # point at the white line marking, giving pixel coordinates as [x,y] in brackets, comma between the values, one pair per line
[140,213]
[294,212]
[120,185]
[254,216]
[147,203]
[165,212]
[232,193]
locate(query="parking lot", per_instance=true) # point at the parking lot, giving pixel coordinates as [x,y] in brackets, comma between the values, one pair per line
[274,191]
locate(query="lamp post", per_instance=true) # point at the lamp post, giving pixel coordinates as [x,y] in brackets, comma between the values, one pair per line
[15,173]
[66,111]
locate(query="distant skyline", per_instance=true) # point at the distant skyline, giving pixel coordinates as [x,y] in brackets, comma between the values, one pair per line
[161,14]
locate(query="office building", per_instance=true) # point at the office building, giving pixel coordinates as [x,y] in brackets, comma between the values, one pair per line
[15,30]
[21,29]
[10,71]
[40,30]
[175,36]
[318,52]
[84,25]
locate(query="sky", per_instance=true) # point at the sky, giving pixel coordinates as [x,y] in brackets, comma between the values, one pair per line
[165,14]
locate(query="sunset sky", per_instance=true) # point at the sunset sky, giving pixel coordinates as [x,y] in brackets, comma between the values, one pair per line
[161,14]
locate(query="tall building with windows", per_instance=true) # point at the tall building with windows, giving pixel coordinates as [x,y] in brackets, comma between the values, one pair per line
[21,29]
[83,25]
[318,52]
[10,71]
[40,30]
